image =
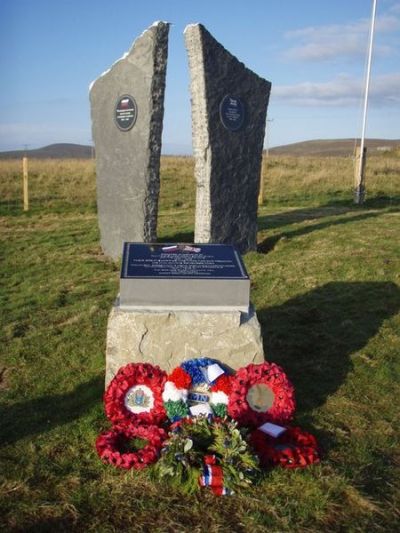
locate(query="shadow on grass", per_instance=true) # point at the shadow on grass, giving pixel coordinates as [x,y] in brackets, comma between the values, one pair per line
[330,209]
[377,202]
[40,415]
[285,219]
[178,237]
[313,335]
[296,216]
[51,525]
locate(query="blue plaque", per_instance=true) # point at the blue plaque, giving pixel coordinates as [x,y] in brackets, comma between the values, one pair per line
[175,276]
[182,261]
[232,112]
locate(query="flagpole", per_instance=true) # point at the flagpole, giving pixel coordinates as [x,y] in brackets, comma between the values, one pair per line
[360,186]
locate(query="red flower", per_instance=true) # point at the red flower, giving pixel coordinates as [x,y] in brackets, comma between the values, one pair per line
[180,378]
[282,392]
[223,384]
[110,446]
[127,379]
[294,448]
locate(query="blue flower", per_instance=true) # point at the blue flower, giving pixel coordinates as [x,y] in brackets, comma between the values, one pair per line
[193,368]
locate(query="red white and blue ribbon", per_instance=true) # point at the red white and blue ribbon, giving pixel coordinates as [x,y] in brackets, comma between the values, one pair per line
[213,477]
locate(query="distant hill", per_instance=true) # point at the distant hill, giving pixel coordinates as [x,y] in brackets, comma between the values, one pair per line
[333,147]
[53,151]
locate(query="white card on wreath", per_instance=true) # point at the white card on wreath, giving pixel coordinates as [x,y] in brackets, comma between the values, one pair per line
[273,430]
[213,372]
[200,409]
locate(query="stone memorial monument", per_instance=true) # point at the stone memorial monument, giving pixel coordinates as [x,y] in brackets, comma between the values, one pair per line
[229,107]
[180,301]
[127,108]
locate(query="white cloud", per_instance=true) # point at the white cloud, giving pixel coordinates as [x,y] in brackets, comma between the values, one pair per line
[321,43]
[341,91]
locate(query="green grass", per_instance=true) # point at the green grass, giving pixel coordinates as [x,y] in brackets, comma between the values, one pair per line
[325,283]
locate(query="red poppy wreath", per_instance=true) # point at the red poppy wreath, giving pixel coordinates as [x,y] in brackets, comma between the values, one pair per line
[134,395]
[113,446]
[294,448]
[261,393]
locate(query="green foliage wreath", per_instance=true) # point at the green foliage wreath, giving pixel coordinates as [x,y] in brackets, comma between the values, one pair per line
[191,442]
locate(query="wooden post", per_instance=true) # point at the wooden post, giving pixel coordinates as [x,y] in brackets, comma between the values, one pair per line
[25,182]
[261,192]
[264,161]
[359,176]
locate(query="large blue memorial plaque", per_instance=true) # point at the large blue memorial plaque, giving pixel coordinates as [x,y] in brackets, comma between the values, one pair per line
[203,261]
[183,276]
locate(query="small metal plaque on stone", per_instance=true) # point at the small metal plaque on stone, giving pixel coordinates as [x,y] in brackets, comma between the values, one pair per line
[183,277]
[232,112]
[125,112]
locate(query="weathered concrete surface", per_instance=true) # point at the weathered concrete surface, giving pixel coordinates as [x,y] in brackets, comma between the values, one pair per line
[168,338]
[227,163]
[128,162]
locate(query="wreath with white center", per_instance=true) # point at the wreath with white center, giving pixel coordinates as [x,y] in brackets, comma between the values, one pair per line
[261,393]
[134,395]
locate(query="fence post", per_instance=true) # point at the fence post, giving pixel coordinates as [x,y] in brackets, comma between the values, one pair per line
[359,176]
[25,182]
[261,191]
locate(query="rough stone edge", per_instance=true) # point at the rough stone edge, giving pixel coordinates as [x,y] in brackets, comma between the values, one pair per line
[201,143]
[160,58]
[126,54]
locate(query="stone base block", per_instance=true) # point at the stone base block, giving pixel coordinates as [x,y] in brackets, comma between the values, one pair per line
[168,338]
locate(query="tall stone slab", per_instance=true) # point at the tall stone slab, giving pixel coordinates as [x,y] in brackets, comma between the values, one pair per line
[127,108]
[229,107]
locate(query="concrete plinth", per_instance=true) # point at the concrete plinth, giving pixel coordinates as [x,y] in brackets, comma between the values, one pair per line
[168,338]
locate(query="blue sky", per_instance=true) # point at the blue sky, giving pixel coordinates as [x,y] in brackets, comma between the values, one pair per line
[313,52]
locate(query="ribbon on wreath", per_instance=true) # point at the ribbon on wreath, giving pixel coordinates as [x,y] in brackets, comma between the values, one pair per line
[213,477]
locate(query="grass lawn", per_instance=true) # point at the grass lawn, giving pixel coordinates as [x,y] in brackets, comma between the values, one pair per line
[325,283]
